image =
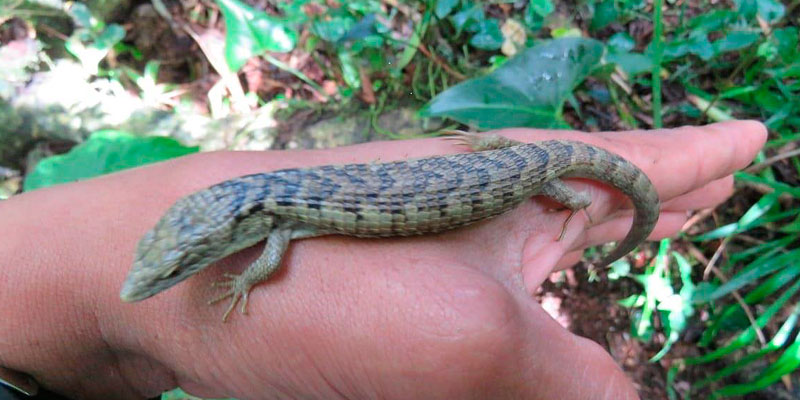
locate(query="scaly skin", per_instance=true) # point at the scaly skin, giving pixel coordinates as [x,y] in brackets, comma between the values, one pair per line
[401,198]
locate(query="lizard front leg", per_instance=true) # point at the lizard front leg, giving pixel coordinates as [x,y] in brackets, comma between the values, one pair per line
[262,268]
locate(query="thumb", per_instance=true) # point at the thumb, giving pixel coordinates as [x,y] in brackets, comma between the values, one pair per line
[569,367]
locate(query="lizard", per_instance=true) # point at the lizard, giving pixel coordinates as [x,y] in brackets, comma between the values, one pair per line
[400,198]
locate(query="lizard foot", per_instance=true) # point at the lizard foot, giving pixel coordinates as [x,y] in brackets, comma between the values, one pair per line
[479,142]
[239,289]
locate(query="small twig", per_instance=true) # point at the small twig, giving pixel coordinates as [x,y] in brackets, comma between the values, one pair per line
[296,72]
[697,217]
[772,160]
[440,62]
[696,253]
[715,257]
[46,28]
[367,94]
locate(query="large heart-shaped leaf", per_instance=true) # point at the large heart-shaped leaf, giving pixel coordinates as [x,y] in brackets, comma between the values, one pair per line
[251,32]
[529,90]
[104,152]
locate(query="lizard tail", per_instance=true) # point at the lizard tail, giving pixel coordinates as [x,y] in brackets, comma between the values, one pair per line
[598,164]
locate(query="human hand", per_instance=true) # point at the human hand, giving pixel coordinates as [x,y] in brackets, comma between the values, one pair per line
[444,316]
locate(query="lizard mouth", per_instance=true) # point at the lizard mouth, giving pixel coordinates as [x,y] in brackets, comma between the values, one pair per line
[131,292]
[138,287]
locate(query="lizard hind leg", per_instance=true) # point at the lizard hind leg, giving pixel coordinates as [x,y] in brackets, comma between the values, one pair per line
[573,200]
[481,142]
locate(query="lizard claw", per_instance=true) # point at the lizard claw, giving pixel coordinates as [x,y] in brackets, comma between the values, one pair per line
[239,290]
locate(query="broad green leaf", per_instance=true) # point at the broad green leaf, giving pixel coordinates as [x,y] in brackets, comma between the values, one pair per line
[620,42]
[468,18]
[632,63]
[697,43]
[770,10]
[81,15]
[747,8]
[104,152]
[444,7]
[619,269]
[532,19]
[365,30]
[786,40]
[91,46]
[713,21]
[542,8]
[735,40]
[488,37]
[251,32]
[528,90]
[333,28]
[605,13]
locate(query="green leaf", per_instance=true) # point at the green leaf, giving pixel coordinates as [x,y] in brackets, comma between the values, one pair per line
[333,29]
[619,269]
[444,7]
[751,274]
[365,30]
[746,8]
[770,10]
[734,41]
[788,362]
[251,32]
[489,36]
[605,13]
[467,19]
[786,42]
[697,43]
[349,68]
[713,21]
[778,340]
[632,63]
[104,152]
[542,8]
[620,42]
[179,394]
[528,90]
[81,15]
[747,336]
[109,37]
[532,19]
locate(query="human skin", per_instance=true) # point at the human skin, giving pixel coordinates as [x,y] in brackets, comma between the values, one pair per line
[442,316]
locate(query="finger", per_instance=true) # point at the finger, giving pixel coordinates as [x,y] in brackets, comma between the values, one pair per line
[710,195]
[707,196]
[669,224]
[562,359]
[676,160]
[569,260]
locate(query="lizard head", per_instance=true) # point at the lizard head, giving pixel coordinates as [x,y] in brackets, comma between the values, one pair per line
[185,240]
